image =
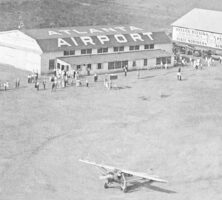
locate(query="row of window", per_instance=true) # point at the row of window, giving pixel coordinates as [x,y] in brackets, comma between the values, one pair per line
[163,60]
[115,64]
[105,50]
[89,66]
[69,53]
[132,48]
[102,50]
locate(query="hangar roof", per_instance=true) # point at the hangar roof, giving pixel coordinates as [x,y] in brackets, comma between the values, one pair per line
[48,38]
[98,58]
[66,32]
[51,45]
[201,19]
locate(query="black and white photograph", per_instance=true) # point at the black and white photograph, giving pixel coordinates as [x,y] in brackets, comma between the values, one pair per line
[110,99]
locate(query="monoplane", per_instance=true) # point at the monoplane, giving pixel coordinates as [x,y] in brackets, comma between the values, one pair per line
[121,176]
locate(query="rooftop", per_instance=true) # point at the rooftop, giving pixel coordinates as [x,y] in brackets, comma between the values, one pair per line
[201,19]
[67,32]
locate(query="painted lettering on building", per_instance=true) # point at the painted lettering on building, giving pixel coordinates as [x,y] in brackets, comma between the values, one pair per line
[196,37]
[102,35]
[103,39]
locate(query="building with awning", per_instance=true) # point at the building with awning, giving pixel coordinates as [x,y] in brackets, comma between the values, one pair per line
[96,49]
[200,29]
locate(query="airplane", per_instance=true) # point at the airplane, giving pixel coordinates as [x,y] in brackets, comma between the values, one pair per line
[121,176]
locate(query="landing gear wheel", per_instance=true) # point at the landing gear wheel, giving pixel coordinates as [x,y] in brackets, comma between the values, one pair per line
[106,185]
[124,190]
[124,184]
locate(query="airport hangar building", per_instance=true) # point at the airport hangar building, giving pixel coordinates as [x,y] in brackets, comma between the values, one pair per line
[199,29]
[98,49]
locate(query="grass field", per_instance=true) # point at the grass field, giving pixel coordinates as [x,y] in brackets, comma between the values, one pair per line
[153,122]
[154,15]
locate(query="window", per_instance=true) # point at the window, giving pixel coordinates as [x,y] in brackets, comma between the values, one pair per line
[145,62]
[163,60]
[134,63]
[158,61]
[131,48]
[102,50]
[89,51]
[86,51]
[149,46]
[66,53]
[72,52]
[124,63]
[105,50]
[78,67]
[51,64]
[146,46]
[121,48]
[83,51]
[89,66]
[115,49]
[137,47]
[58,65]
[99,50]
[168,60]
[99,66]
[110,65]
[117,64]
[152,46]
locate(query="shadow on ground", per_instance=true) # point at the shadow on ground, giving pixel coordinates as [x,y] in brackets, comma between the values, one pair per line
[121,87]
[136,186]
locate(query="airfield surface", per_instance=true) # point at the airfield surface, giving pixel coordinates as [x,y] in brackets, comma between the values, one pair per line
[154,124]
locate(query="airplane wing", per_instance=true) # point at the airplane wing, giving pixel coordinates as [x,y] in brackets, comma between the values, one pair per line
[143,176]
[127,172]
[106,167]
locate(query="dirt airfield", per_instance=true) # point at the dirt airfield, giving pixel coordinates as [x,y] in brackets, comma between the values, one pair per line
[154,124]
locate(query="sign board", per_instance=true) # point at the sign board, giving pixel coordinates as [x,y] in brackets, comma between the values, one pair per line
[113,76]
[196,37]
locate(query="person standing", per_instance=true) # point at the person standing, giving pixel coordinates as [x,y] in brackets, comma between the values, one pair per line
[74,74]
[125,71]
[6,85]
[29,78]
[87,83]
[179,74]
[18,82]
[88,71]
[44,84]
[95,77]
[138,73]
[37,85]
[105,80]
[65,80]
[53,86]
[161,65]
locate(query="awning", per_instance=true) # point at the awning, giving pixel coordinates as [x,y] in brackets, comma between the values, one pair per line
[104,58]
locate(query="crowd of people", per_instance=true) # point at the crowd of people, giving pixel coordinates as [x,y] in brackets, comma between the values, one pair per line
[6,85]
[62,79]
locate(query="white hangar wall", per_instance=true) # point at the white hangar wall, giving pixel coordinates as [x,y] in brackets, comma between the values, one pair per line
[20,51]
